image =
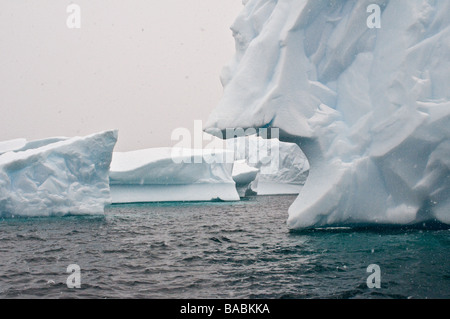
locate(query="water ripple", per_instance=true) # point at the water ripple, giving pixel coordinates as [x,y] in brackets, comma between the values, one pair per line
[216,250]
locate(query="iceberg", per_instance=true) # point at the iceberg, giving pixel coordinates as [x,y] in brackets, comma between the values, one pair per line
[370,107]
[282,168]
[57,176]
[172,174]
[243,176]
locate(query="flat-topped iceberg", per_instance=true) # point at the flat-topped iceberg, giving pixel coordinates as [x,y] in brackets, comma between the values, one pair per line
[172,174]
[370,107]
[57,176]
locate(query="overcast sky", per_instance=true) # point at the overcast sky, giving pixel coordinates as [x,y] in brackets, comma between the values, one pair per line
[144,67]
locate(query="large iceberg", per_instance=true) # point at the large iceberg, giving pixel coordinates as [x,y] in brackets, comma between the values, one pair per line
[370,107]
[172,174]
[56,176]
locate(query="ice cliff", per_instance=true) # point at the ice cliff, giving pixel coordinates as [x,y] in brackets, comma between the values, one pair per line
[370,107]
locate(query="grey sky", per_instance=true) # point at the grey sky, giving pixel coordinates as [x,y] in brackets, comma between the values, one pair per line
[144,67]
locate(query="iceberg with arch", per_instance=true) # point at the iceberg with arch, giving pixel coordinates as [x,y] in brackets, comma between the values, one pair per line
[370,107]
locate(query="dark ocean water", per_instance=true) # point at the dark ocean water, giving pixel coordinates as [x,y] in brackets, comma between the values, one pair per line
[216,250]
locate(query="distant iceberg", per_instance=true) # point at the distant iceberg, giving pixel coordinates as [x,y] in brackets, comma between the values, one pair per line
[282,167]
[226,170]
[172,174]
[369,107]
[56,176]
[244,175]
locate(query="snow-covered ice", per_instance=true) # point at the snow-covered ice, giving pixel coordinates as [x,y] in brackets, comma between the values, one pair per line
[12,145]
[40,143]
[172,174]
[369,107]
[21,144]
[57,176]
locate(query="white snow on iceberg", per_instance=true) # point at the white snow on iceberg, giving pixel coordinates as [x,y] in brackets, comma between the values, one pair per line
[40,143]
[64,177]
[171,174]
[369,107]
[12,145]
[21,144]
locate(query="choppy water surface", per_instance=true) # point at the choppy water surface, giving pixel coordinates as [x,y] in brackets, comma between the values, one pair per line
[216,250]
